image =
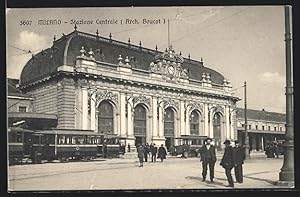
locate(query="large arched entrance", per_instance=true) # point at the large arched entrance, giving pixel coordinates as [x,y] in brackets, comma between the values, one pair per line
[217,129]
[140,124]
[105,117]
[169,127]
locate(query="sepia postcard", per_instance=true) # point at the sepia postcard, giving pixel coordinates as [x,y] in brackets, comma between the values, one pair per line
[149,98]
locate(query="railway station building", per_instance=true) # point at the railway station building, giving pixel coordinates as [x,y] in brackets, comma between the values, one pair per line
[141,95]
[264,127]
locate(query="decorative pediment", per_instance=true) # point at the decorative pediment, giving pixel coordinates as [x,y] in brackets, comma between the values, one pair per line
[217,108]
[141,99]
[171,103]
[169,64]
[106,95]
[195,105]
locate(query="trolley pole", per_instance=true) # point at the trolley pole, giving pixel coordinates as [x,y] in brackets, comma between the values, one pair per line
[286,176]
[247,152]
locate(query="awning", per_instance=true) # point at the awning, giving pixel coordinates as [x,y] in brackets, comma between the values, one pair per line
[262,131]
[33,120]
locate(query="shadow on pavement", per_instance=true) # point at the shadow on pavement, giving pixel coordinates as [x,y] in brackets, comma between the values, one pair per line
[260,179]
[208,183]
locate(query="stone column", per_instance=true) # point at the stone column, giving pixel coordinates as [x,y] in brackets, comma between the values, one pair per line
[187,123]
[210,125]
[130,117]
[227,122]
[84,92]
[154,118]
[93,111]
[182,118]
[130,133]
[262,143]
[206,128]
[122,115]
[161,122]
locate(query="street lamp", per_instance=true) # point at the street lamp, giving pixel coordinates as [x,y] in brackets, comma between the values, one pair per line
[286,175]
[247,151]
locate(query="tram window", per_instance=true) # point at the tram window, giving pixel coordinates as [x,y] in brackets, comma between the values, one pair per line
[61,139]
[88,140]
[36,139]
[74,139]
[80,140]
[13,137]
[19,136]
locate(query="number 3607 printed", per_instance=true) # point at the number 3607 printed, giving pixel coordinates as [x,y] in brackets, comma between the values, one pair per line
[25,22]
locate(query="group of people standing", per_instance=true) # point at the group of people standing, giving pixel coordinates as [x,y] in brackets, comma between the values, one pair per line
[272,150]
[145,150]
[233,157]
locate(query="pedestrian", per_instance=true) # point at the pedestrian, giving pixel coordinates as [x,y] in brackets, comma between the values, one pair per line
[276,149]
[208,157]
[162,153]
[146,151]
[228,162]
[239,152]
[153,150]
[128,147]
[269,151]
[140,150]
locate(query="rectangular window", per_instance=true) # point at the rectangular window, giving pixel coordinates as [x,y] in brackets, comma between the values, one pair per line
[256,127]
[275,128]
[249,126]
[269,127]
[243,125]
[22,109]
[280,128]
[263,128]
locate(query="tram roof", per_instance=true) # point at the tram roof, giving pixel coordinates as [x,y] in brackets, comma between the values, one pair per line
[74,132]
[191,137]
[68,132]
[20,129]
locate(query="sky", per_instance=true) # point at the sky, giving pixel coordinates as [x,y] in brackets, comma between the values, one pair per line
[243,43]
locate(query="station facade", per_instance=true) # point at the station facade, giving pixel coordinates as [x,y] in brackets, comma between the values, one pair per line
[141,95]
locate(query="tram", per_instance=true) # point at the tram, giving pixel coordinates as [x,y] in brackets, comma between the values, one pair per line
[60,144]
[189,146]
[22,144]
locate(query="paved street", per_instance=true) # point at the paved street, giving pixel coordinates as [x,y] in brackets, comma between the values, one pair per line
[173,173]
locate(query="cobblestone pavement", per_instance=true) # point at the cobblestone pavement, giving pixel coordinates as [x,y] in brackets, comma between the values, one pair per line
[112,174]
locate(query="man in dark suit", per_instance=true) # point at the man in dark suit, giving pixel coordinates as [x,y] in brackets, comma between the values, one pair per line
[239,153]
[228,162]
[208,157]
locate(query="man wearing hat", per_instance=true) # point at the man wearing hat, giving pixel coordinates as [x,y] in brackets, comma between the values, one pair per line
[228,162]
[239,153]
[208,157]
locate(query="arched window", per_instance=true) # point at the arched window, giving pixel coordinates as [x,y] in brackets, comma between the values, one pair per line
[217,129]
[169,122]
[105,118]
[140,121]
[194,123]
